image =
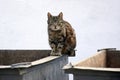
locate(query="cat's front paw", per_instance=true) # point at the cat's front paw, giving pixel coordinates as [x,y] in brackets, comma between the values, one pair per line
[59,54]
[55,54]
[52,53]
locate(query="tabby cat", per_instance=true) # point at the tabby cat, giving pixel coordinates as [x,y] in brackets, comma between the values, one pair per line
[62,38]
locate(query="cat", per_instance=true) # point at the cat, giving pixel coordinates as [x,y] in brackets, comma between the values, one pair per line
[62,37]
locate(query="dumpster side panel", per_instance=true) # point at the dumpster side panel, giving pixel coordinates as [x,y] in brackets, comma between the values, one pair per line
[77,77]
[96,75]
[10,74]
[92,77]
[51,70]
[10,77]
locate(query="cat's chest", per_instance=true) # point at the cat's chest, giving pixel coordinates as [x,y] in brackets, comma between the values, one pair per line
[55,35]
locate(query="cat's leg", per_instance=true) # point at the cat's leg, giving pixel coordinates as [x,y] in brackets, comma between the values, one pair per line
[55,51]
[59,49]
[53,46]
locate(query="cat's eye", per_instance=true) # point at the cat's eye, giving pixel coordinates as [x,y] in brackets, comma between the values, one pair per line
[60,23]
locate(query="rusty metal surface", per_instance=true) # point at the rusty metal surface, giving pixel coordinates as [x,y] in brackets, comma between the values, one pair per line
[113,59]
[8,57]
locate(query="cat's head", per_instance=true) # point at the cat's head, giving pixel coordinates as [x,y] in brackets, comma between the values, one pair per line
[55,22]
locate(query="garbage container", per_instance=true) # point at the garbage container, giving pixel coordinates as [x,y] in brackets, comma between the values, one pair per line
[31,65]
[105,65]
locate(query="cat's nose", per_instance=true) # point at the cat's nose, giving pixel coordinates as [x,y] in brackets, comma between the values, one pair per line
[55,27]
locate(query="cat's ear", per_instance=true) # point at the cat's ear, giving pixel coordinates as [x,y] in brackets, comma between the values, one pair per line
[60,15]
[49,15]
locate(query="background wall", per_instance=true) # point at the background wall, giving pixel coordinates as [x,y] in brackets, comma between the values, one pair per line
[23,24]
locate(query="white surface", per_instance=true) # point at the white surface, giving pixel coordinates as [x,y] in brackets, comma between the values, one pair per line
[23,24]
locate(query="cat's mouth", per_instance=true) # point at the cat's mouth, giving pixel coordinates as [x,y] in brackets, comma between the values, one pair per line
[56,30]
